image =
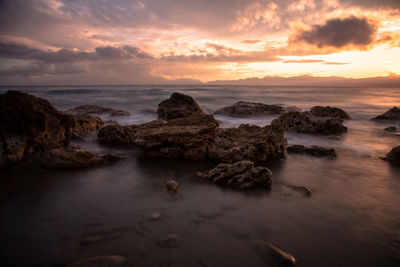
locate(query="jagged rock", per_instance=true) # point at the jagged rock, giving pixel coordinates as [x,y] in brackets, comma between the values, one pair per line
[305,122]
[94,109]
[178,106]
[240,175]
[101,261]
[246,109]
[172,186]
[317,151]
[72,157]
[394,155]
[30,125]
[390,129]
[85,124]
[331,112]
[247,142]
[392,114]
[116,135]
[170,241]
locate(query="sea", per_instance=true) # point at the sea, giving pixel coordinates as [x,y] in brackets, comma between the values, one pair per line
[352,217]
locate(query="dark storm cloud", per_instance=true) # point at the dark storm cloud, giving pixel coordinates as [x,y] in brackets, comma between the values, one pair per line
[340,32]
[18,51]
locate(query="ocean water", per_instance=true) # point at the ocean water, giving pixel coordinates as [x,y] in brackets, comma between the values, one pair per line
[352,217]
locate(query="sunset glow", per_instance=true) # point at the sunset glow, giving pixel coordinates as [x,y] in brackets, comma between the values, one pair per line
[62,42]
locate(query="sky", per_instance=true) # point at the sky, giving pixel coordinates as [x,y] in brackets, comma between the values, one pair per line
[190,41]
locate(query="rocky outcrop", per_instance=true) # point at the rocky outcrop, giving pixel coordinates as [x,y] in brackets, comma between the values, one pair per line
[305,122]
[247,142]
[390,129]
[83,124]
[317,151]
[178,106]
[247,109]
[101,261]
[394,155]
[331,112]
[240,175]
[72,158]
[392,114]
[116,135]
[94,109]
[30,125]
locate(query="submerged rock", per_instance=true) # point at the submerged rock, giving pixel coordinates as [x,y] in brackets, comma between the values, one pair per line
[170,241]
[317,151]
[394,155]
[94,109]
[282,255]
[246,109]
[172,186]
[392,114]
[273,255]
[240,175]
[101,261]
[30,125]
[178,106]
[247,142]
[331,112]
[84,124]
[305,122]
[72,157]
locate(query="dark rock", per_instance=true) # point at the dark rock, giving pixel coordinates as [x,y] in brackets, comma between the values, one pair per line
[282,255]
[334,137]
[317,151]
[305,122]
[247,142]
[101,261]
[172,186]
[94,109]
[246,109]
[71,158]
[303,189]
[178,106]
[394,155]
[240,175]
[30,125]
[84,124]
[392,114]
[273,255]
[170,241]
[391,129]
[116,135]
[331,112]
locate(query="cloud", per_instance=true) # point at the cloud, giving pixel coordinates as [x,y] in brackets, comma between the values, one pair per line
[251,41]
[315,61]
[339,33]
[19,51]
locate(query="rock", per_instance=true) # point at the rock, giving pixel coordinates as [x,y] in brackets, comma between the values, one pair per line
[305,122]
[391,129]
[334,137]
[240,175]
[172,186]
[331,112]
[116,135]
[101,261]
[30,125]
[83,124]
[155,216]
[392,114]
[71,158]
[94,109]
[178,106]
[394,155]
[247,109]
[247,142]
[303,189]
[282,255]
[317,151]
[273,255]
[170,241]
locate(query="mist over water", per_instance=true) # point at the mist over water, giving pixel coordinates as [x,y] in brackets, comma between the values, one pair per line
[351,219]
